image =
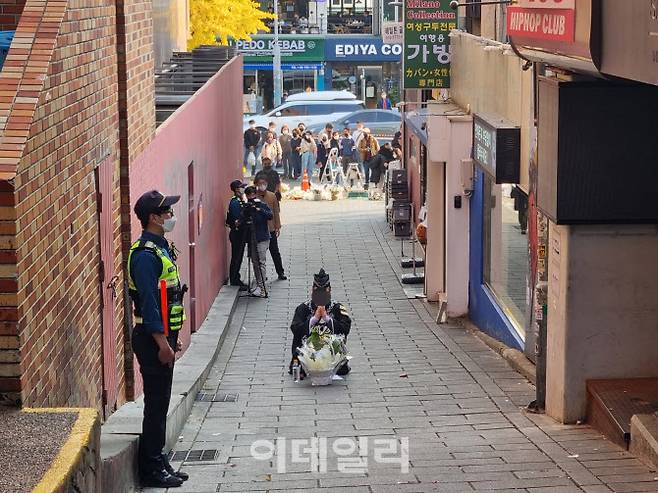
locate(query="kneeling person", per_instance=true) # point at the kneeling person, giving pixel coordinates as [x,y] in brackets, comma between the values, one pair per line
[319,309]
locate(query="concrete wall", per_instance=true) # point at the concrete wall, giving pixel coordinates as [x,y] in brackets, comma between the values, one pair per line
[602,310]
[207,132]
[487,77]
[449,141]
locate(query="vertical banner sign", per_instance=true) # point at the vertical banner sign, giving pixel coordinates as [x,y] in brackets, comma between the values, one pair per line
[427,24]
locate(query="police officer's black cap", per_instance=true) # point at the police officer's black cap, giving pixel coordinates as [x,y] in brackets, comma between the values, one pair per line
[235,184]
[153,202]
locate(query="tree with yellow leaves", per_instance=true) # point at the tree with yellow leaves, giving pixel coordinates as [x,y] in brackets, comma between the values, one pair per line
[211,20]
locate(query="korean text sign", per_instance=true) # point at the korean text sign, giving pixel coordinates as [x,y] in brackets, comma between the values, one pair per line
[427,24]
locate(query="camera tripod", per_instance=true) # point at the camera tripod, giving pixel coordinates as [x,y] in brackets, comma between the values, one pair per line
[253,259]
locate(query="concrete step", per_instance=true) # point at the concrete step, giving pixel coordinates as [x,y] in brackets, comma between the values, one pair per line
[611,404]
[644,438]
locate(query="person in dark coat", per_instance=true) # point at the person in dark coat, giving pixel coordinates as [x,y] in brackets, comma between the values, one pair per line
[378,163]
[296,157]
[319,308]
[251,139]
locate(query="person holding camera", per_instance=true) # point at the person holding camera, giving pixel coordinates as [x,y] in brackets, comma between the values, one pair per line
[256,216]
[237,237]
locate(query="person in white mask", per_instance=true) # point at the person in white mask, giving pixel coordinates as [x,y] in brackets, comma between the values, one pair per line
[153,282]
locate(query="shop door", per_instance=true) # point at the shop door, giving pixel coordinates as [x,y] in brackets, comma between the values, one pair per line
[107,281]
[371,84]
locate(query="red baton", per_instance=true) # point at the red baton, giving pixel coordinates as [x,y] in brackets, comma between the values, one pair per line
[163,306]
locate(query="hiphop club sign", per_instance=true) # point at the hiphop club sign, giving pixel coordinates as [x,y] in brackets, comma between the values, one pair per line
[552,20]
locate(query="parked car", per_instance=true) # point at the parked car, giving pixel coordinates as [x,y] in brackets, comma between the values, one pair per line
[309,108]
[382,123]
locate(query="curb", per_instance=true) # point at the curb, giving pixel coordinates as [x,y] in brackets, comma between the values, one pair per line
[120,433]
[69,466]
[515,358]
[644,430]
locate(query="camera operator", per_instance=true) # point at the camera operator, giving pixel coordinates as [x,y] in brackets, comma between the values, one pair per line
[256,215]
[237,236]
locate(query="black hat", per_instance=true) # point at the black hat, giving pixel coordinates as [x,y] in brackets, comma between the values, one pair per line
[235,184]
[153,202]
[321,280]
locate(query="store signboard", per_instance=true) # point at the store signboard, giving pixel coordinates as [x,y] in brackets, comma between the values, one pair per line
[534,23]
[427,24]
[497,148]
[393,32]
[361,49]
[293,48]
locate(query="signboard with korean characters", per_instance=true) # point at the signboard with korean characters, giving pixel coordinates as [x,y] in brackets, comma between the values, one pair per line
[553,20]
[393,32]
[497,147]
[427,25]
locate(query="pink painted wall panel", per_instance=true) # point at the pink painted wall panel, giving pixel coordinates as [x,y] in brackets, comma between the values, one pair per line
[207,133]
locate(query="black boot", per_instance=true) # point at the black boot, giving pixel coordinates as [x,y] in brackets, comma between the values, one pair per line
[160,479]
[179,474]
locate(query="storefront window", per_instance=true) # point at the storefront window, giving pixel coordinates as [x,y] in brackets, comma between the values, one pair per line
[367,82]
[295,81]
[506,249]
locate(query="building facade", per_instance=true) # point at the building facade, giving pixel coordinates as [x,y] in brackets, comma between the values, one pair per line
[559,258]
[361,64]
[76,139]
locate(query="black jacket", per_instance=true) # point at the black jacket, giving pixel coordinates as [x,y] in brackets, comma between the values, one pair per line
[377,167]
[299,326]
[251,137]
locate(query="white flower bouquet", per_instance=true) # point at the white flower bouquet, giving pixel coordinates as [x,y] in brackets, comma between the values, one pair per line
[321,354]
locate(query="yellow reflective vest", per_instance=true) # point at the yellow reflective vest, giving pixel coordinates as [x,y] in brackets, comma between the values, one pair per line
[169,274]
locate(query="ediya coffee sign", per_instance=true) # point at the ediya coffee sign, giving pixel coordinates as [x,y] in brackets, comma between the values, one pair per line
[542,19]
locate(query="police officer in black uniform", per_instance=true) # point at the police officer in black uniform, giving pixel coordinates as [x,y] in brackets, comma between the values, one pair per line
[319,309]
[238,235]
[153,279]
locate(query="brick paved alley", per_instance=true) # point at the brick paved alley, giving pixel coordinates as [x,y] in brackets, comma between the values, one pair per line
[456,401]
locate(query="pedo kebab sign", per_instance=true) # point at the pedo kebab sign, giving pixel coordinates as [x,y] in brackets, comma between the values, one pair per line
[552,20]
[427,25]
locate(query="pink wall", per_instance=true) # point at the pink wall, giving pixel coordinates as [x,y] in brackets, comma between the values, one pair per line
[205,131]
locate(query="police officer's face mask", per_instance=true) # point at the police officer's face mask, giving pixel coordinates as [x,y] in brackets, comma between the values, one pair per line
[169,224]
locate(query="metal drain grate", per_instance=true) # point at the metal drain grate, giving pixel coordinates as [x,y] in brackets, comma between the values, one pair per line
[218,397]
[205,455]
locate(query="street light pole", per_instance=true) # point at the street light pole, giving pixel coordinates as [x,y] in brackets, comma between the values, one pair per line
[277,74]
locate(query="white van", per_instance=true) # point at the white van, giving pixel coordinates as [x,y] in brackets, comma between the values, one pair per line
[309,108]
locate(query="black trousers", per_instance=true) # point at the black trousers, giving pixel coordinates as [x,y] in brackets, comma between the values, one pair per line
[237,239]
[276,254]
[157,394]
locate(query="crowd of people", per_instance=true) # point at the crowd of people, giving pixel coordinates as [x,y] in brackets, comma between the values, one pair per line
[254,214]
[299,152]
